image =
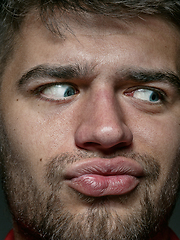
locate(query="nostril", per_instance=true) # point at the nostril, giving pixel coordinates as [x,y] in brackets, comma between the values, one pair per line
[105,150]
[103,137]
[91,145]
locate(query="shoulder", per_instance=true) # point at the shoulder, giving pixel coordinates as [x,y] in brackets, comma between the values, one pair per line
[172,235]
[10,235]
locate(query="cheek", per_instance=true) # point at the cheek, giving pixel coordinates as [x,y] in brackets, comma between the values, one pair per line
[159,137]
[40,137]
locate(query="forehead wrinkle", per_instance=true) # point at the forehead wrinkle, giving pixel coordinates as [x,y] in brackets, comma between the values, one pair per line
[85,68]
[69,22]
[103,25]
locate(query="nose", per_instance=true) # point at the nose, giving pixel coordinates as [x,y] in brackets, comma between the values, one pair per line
[102,124]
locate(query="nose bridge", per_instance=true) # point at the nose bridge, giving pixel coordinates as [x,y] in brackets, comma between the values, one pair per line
[103,109]
[102,122]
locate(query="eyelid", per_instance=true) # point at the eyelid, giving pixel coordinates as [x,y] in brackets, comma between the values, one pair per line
[152,88]
[38,92]
[40,88]
[161,93]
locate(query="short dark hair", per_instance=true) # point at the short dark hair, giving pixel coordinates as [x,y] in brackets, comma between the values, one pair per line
[12,13]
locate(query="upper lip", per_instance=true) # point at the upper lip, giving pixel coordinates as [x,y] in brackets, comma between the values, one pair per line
[104,167]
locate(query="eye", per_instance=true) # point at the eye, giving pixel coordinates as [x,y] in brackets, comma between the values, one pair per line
[150,95]
[58,91]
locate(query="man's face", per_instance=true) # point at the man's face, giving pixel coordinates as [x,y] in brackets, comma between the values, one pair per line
[91,129]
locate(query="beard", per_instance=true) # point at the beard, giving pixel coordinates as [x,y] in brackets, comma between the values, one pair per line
[42,213]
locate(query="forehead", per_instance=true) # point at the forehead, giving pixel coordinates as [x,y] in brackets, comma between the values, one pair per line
[148,42]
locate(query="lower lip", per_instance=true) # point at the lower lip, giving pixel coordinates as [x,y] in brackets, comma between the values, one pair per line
[97,185]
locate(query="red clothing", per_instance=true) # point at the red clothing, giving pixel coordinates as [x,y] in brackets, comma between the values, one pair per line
[10,235]
[172,235]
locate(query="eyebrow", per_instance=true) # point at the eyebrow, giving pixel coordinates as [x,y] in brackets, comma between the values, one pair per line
[59,72]
[69,72]
[150,76]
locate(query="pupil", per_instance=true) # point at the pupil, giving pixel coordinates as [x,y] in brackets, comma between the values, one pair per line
[154,97]
[70,91]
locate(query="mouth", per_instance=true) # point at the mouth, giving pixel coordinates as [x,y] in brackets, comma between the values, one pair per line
[99,177]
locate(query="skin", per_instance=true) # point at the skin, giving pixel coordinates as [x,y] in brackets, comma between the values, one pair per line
[104,114]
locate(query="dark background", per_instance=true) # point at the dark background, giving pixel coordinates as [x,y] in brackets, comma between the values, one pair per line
[6,222]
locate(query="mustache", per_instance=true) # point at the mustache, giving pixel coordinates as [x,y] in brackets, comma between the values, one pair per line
[56,165]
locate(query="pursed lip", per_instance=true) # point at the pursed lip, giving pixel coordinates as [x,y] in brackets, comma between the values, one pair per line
[100,177]
[105,167]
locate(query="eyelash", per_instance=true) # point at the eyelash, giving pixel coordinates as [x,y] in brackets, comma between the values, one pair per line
[39,90]
[162,95]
